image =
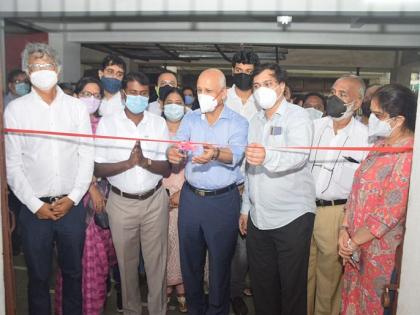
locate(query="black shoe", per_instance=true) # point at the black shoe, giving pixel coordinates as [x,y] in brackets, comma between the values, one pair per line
[239,307]
[119,298]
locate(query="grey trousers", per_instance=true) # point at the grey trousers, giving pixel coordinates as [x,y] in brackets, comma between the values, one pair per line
[141,221]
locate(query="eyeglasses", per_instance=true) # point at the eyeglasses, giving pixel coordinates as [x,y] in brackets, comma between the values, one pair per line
[90,94]
[41,66]
[116,74]
[20,81]
[167,82]
[268,84]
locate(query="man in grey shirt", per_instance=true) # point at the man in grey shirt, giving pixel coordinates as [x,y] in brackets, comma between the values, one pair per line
[279,197]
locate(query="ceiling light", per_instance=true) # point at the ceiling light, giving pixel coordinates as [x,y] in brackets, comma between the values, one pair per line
[284,19]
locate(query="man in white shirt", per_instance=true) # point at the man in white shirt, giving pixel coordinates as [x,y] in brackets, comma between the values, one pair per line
[49,175]
[166,80]
[111,74]
[137,204]
[279,198]
[333,172]
[239,96]
[240,99]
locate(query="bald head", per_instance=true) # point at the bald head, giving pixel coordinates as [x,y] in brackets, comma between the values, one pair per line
[212,82]
[349,88]
[215,75]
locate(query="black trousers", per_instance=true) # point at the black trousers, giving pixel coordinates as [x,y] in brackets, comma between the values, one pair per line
[38,239]
[210,223]
[278,261]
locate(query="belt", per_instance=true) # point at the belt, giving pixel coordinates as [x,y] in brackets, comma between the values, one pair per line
[329,203]
[51,199]
[204,192]
[143,196]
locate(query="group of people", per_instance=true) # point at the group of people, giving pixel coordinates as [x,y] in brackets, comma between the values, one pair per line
[244,180]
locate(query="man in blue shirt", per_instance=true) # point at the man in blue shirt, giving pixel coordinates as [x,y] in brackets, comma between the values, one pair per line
[210,202]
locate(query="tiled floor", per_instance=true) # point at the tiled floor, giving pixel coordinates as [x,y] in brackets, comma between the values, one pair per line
[21,293]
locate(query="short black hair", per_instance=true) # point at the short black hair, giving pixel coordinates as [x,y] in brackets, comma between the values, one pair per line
[173,90]
[308,95]
[11,77]
[246,57]
[165,71]
[398,100]
[111,60]
[80,85]
[138,76]
[279,73]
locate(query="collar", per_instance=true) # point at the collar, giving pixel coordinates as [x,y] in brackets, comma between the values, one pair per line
[225,114]
[346,130]
[281,110]
[59,95]
[232,93]
[144,121]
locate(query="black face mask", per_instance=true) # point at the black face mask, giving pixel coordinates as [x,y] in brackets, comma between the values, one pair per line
[335,107]
[243,81]
[163,90]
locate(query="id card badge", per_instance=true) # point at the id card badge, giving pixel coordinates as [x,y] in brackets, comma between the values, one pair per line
[276,130]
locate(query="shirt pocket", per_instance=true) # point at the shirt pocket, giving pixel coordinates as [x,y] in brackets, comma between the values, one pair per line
[347,175]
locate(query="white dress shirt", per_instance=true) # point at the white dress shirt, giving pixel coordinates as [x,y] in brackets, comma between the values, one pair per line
[136,180]
[282,189]
[333,174]
[155,108]
[112,105]
[47,166]
[234,102]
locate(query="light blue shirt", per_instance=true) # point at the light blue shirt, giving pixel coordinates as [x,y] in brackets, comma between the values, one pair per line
[231,131]
[282,188]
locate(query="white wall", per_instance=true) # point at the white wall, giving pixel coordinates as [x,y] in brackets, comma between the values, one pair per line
[409,294]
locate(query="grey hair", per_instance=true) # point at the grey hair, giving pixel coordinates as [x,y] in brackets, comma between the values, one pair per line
[40,49]
[362,89]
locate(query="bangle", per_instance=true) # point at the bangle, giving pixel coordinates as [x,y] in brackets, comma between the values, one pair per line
[344,227]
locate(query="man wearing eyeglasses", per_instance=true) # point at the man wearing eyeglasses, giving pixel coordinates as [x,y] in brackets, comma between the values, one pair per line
[166,80]
[49,175]
[333,172]
[278,203]
[18,85]
[111,74]
[241,100]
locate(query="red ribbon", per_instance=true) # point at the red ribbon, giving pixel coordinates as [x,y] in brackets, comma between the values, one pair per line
[189,145]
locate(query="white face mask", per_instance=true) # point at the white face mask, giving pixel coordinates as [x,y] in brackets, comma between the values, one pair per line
[349,112]
[265,97]
[207,103]
[314,113]
[44,79]
[378,128]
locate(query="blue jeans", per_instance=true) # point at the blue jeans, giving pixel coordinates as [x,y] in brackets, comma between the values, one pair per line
[38,240]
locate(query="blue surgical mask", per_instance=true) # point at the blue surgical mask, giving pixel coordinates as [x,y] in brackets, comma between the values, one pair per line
[173,112]
[136,103]
[189,99]
[111,85]
[22,88]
